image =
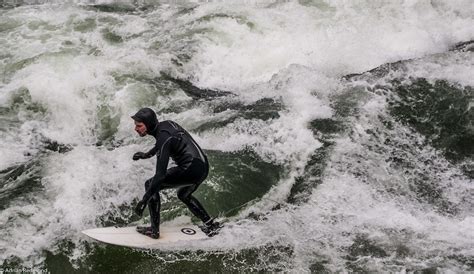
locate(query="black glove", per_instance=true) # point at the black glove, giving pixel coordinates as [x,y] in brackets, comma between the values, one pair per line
[140,207]
[139,155]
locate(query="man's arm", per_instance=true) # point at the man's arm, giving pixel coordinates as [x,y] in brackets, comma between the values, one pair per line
[163,148]
[145,155]
[151,152]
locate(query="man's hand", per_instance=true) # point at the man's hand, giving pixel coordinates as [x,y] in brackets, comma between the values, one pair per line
[139,155]
[140,208]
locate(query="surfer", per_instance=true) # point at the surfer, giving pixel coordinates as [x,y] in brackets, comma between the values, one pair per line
[192,168]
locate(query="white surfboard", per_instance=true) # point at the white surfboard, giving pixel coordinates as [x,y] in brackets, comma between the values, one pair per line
[128,236]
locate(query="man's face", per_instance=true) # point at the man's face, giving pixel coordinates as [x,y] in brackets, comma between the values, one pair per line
[140,128]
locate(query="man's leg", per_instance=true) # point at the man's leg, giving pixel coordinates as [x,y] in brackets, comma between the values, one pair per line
[154,205]
[185,195]
[187,181]
[194,175]
[210,226]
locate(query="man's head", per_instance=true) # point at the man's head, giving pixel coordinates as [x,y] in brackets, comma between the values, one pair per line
[145,121]
[140,128]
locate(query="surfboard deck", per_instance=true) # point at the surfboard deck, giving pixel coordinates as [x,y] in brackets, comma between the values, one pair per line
[129,237]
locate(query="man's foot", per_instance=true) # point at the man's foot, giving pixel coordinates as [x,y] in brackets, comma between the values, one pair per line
[148,231]
[211,228]
[142,229]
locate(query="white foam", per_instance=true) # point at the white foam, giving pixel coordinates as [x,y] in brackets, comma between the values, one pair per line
[454,67]
[349,37]
[80,186]
[13,151]
[287,139]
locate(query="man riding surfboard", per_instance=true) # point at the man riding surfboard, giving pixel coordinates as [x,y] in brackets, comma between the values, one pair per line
[172,141]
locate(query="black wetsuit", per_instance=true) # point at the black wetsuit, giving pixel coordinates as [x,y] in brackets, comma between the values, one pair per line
[192,167]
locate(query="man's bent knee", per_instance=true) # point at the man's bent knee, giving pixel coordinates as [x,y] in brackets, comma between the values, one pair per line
[183,194]
[148,183]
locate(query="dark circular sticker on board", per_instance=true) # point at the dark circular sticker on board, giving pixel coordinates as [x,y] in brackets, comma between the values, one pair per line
[188,231]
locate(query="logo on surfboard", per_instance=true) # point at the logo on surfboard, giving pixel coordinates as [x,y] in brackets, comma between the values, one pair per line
[188,231]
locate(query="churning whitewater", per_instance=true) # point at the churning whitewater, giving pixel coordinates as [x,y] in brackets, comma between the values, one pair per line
[340,133]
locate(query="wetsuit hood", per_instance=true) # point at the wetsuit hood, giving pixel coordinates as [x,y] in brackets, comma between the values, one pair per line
[148,117]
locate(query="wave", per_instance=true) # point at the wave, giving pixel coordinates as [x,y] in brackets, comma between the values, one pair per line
[339,132]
